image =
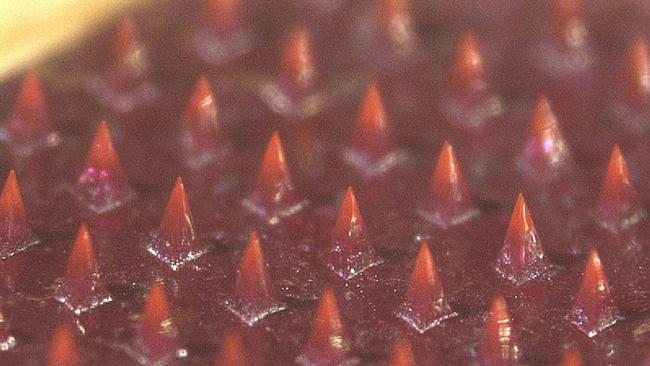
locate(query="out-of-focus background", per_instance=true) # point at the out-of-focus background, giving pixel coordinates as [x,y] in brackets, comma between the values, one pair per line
[32,29]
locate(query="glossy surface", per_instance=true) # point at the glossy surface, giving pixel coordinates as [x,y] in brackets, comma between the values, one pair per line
[436,116]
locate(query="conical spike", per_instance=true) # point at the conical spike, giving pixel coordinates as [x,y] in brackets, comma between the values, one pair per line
[63,348]
[298,67]
[12,208]
[425,304]
[328,344]
[546,153]
[253,298]
[328,325]
[373,150]
[223,37]
[30,127]
[7,341]
[499,344]
[572,357]
[402,354]
[102,185]
[175,243]
[203,142]
[469,70]
[618,203]
[389,9]
[177,225]
[82,262]
[372,135]
[449,202]
[349,224]
[130,61]
[224,16]
[252,279]
[638,74]
[82,289]
[233,352]
[156,309]
[274,196]
[274,174]
[350,251]
[594,309]
[201,114]
[396,25]
[31,100]
[157,332]
[126,85]
[567,23]
[565,11]
[522,257]
[102,154]
[15,233]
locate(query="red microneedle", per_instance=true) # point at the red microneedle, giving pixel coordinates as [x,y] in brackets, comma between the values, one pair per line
[126,84]
[293,93]
[566,20]
[222,36]
[253,297]
[298,68]
[572,357]
[29,127]
[15,232]
[328,343]
[618,205]
[372,148]
[63,348]
[425,304]
[223,16]
[469,69]
[448,202]
[638,74]
[522,256]
[630,104]
[569,48]
[102,185]
[469,103]
[350,250]
[156,338]
[594,309]
[402,354]
[82,288]
[499,344]
[233,351]
[202,139]
[130,63]
[372,134]
[386,36]
[176,243]
[545,155]
[396,27]
[274,196]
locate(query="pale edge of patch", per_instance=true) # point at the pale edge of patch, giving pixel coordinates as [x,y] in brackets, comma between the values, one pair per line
[33,30]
